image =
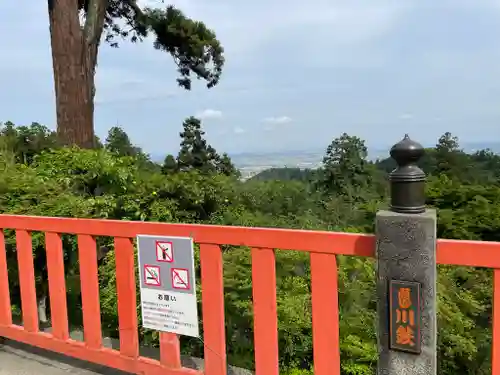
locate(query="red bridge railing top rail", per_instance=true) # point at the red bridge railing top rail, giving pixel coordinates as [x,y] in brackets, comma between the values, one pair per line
[452,252]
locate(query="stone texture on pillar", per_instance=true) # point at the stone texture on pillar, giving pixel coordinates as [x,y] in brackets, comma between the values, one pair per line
[406,250]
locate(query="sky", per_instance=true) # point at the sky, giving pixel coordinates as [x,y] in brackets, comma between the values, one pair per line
[297,74]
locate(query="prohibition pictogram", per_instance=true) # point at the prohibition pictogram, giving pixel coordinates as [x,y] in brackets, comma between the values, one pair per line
[180,278]
[164,251]
[152,275]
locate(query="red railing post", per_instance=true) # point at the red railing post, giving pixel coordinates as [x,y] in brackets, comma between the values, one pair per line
[5,306]
[27,280]
[127,301]
[57,286]
[87,255]
[265,312]
[325,314]
[170,350]
[214,328]
[495,349]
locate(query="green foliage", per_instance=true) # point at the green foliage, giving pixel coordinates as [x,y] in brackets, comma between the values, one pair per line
[197,154]
[199,186]
[169,165]
[296,371]
[225,166]
[193,46]
[345,172]
[119,143]
[26,141]
[286,174]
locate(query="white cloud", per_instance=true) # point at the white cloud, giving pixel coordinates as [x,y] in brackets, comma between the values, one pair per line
[209,114]
[406,116]
[278,120]
[238,130]
[334,22]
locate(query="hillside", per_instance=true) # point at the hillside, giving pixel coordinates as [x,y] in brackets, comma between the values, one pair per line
[200,185]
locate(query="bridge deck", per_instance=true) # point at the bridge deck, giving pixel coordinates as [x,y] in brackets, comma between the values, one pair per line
[20,359]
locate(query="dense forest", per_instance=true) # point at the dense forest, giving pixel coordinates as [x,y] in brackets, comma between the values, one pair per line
[118,180]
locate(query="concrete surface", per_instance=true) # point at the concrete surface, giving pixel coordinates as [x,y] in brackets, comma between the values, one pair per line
[20,359]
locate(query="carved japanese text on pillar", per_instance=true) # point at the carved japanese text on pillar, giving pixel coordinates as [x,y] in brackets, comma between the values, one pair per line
[404,319]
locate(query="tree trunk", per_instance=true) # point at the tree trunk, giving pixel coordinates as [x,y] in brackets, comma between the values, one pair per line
[74,61]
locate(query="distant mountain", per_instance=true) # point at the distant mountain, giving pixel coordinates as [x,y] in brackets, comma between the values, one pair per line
[476,146]
[158,158]
[251,163]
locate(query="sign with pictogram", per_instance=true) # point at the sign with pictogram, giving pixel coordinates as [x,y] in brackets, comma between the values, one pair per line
[152,275]
[168,284]
[180,278]
[404,319]
[164,251]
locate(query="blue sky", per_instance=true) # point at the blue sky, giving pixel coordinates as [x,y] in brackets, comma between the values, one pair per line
[297,75]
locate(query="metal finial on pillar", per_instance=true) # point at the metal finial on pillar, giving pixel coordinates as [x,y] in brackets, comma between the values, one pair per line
[407,180]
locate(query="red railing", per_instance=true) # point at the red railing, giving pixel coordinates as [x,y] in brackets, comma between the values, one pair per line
[322,246]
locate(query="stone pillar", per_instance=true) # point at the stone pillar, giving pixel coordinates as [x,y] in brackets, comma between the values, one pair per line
[406,272]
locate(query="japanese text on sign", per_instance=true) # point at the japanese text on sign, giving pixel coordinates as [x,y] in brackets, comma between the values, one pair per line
[405,316]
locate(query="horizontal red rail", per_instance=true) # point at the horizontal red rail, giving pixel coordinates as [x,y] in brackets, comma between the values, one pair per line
[287,239]
[469,253]
[453,252]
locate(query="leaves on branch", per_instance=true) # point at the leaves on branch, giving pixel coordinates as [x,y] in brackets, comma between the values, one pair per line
[193,46]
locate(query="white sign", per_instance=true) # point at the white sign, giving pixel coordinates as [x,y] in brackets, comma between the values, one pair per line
[168,285]
[170,312]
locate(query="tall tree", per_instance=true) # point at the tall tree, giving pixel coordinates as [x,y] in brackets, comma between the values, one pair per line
[225,166]
[195,152]
[447,143]
[450,159]
[75,42]
[169,165]
[345,168]
[119,142]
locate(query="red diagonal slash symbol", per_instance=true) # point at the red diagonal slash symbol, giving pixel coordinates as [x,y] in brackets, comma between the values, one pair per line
[164,251]
[152,273]
[177,279]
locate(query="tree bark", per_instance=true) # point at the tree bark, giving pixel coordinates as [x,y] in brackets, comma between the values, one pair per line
[74,58]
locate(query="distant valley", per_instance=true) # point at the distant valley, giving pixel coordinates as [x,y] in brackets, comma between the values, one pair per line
[251,163]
